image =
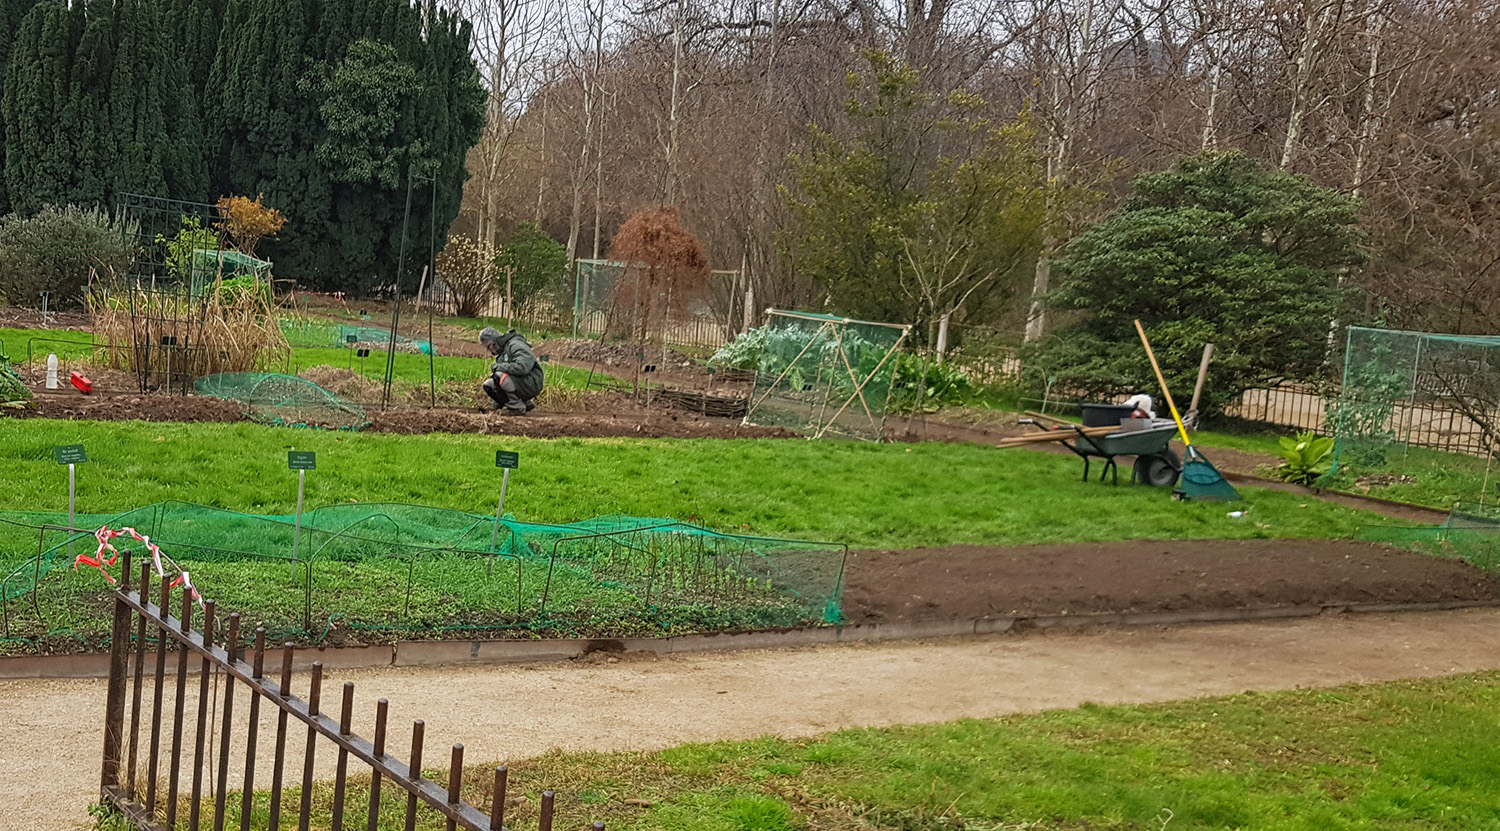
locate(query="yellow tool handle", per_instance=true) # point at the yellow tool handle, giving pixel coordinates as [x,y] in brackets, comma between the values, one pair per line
[1163,381]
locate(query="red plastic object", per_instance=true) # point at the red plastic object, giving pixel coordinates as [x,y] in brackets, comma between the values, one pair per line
[81,383]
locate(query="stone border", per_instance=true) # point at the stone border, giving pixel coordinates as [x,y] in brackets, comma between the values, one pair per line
[494,652]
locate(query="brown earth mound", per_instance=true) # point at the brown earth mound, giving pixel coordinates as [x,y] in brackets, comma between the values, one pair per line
[969,581]
[661,425]
[626,421]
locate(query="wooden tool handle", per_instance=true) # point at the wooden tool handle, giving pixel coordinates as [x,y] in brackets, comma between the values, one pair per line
[1163,381]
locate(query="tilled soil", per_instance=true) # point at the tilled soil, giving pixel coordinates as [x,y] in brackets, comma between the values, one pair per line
[970,581]
[13,317]
[617,355]
[662,423]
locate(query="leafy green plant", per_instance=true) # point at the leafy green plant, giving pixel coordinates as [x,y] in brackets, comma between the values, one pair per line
[191,237]
[743,352]
[943,386]
[245,284]
[537,264]
[1306,458]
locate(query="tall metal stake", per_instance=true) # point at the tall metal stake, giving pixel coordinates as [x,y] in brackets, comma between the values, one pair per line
[72,483]
[507,461]
[390,354]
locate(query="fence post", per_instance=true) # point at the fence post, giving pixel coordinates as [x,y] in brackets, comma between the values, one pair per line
[114,708]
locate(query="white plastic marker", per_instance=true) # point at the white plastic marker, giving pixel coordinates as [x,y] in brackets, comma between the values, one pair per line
[301,461]
[71,455]
[507,460]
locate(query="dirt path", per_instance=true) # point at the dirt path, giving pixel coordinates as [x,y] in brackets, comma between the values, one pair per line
[49,750]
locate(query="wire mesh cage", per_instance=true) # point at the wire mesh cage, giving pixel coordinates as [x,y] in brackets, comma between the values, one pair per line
[186,306]
[421,571]
[1402,390]
[604,306]
[825,375]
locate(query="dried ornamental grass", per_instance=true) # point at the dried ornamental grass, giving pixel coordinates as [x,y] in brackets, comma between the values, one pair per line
[230,328]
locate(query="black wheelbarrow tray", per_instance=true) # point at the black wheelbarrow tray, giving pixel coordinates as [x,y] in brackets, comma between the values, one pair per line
[1155,463]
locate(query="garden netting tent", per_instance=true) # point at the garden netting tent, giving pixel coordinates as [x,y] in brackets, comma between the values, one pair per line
[418,570]
[274,398]
[1404,390]
[826,376]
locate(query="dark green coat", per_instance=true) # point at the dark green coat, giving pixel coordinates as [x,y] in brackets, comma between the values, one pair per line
[516,359]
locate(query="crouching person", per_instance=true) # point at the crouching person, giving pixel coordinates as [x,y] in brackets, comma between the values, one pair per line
[517,378]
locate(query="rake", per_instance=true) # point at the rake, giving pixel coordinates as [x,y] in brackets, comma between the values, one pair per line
[1200,479]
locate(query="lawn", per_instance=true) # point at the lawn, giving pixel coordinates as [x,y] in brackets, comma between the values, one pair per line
[411,370]
[65,342]
[875,495]
[890,495]
[1403,755]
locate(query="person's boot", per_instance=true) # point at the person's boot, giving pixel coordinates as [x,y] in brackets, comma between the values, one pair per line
[530,405]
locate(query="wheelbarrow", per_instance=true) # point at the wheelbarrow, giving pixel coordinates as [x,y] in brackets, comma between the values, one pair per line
[1155,463]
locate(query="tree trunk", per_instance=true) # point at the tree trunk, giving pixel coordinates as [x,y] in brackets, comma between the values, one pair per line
[1210,115]
[1307,61]
[672,110]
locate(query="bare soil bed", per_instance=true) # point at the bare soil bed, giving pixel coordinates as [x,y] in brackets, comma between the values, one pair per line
[969,581]
[628,421]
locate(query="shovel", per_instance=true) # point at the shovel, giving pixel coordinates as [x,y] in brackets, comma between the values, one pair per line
[1200,479]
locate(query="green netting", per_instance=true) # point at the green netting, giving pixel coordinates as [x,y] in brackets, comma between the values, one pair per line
[273,398]
[825,375]
[594,296]
[1471,532]
[598,308]
[416,571]
[326,334]
[1414,389]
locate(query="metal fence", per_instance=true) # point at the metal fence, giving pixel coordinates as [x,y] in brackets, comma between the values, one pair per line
[161,788]
[1417,424]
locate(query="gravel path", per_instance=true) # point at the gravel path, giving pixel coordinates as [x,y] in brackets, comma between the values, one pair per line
[49,734]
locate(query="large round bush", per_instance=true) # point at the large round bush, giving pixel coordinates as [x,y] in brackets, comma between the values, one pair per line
[53,252]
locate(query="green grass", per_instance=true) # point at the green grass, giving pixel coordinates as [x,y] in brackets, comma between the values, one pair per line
[65,342]
[864,494]
[877,495]
[1403,755]
[412,369]
[1440,478]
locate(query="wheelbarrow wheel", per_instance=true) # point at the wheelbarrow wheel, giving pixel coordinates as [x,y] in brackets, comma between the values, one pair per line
[1159,470]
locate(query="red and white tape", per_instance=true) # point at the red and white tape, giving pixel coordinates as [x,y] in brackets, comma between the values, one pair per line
[99,561]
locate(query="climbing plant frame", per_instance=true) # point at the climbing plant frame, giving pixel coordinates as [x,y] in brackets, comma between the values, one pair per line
[825,375]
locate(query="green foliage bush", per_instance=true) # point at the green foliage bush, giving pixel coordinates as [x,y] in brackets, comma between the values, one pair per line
[1217,249]
[190,238]
[537,263]
[53,252]
[743,352]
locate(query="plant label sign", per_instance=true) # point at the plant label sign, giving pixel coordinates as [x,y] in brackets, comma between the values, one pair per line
[544,358]
[302,460]
[168,340]
[70,454]
[508,459]
[351,338]
[649,368]
[363,353]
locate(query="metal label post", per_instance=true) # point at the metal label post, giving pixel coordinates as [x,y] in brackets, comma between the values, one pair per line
[71,455]
[507,461]
[301,461]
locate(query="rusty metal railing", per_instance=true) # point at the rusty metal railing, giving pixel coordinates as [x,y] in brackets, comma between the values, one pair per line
[149,784]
